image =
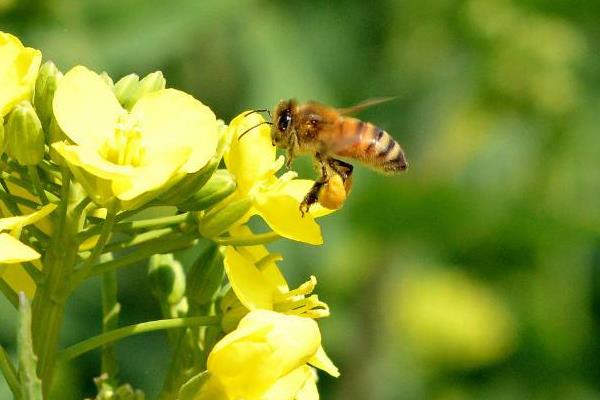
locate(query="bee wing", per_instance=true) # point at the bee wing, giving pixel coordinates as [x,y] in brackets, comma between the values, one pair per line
[364,104]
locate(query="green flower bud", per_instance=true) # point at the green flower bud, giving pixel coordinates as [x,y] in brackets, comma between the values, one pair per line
[130,88]
[24,135]
[151,83]
[167,278]
[45,86]
[218,187]
[233,311]
[125,89]
[204,280]
[220,219]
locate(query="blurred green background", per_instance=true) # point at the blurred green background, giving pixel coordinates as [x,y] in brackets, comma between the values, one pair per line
[475,274]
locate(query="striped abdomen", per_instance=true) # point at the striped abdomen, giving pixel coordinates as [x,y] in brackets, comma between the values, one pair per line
[369,144]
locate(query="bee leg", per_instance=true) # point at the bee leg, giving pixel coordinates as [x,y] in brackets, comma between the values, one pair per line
[289,158]
[311,197]
[344,170]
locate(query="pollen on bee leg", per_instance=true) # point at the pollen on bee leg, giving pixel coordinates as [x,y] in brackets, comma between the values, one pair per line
[334,192]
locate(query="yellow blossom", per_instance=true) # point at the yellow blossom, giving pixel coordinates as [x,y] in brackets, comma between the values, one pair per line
[19,66]
[259,284]
[254,163]
[130,157]
[264,358]
[13,252]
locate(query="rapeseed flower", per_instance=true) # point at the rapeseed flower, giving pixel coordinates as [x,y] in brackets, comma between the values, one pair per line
[252,160]
[19,67]
[266,357]
[129,157]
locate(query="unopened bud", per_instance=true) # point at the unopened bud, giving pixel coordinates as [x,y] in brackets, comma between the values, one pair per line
[204,279]
[130,88]
[220,185]
[167,278]
[125,88]
[24,135]
[220,219]
[45,86]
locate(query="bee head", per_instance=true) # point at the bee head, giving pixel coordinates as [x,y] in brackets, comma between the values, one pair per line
[281,130]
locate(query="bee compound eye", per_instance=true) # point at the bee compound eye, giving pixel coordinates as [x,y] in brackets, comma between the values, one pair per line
[284,121]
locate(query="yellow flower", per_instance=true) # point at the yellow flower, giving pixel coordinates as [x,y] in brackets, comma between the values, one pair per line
[277,200]
[264,358]
[13,252]
[19,66]
[130,157]
[259,284]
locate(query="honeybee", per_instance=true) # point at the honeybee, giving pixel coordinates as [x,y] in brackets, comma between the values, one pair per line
[327,133]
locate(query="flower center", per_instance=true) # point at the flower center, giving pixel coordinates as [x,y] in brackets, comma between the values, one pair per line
[125,146]
[301,302]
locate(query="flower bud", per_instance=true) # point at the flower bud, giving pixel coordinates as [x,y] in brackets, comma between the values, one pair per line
[130,88]
[125,89]
[218,187]
[220,219]
[45,86]
[166,278]
[24,135]
[107,79]
[204,279]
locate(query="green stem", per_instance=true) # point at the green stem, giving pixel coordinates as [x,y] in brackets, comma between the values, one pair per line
[9,293]
[143,327]
[248,240]
[37,184]
[12,206]
[107,226]
[110,322]
[134,226]
[139,253]
[53,290]
[10,374]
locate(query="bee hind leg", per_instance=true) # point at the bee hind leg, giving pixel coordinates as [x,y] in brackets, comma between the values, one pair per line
[321,163]
[311,197]
[344,170]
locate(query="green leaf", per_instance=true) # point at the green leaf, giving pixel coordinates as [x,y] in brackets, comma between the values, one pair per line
[31,386]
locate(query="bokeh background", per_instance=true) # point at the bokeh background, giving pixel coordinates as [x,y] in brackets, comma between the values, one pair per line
[475,274]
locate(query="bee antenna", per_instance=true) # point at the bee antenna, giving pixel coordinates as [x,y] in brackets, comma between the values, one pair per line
[259,111]
[255,126]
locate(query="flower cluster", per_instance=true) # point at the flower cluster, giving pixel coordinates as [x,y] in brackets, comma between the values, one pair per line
[81,157]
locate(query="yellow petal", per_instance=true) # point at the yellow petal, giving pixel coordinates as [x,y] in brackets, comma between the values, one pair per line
[13,251]
[270,271]
[265,347]
[309,391]
[22,220]
[322,361]
[18,70]
[250,158]
[211,389]
[287,387]
[86,108]
[172,119]
[247,282]
[281,212]
[18,279]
